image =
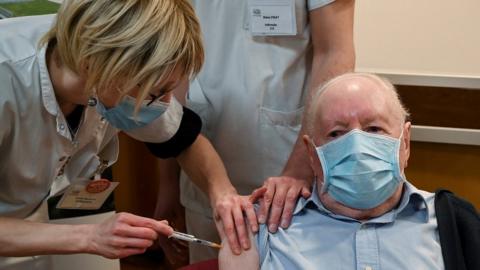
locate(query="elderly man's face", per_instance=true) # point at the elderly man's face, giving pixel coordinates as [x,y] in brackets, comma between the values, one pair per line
[357,103]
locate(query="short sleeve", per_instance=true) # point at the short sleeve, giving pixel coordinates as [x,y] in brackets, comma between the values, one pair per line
[314,4]
[262,243]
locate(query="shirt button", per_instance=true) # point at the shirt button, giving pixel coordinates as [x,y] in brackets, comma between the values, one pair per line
[75,144]
[62,126]
[368,268]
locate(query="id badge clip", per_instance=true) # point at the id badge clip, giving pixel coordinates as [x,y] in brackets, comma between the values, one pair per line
[272,18]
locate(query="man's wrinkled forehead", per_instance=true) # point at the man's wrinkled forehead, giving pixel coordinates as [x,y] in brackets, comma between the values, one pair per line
[354,96]
[352,83]
[343,90]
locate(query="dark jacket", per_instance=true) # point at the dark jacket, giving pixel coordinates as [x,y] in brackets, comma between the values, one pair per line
[459,230]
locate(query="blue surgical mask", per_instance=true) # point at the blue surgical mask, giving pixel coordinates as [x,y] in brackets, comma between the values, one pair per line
[123,115]
[361,170]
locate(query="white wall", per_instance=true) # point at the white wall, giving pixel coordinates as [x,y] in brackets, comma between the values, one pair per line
[421,37]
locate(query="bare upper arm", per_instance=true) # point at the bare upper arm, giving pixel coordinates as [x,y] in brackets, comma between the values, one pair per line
[332,26]
[248,259]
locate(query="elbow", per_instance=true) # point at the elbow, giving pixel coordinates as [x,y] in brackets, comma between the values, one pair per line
[340,59]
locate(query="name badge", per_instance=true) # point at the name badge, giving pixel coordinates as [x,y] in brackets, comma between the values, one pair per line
[88,195]
[272,18]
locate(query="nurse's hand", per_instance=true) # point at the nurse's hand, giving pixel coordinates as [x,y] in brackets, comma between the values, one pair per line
[230,211]
[279,199]
[125,234]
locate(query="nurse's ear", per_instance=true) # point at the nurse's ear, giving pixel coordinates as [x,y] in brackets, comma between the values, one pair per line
[181,91]
[313,157]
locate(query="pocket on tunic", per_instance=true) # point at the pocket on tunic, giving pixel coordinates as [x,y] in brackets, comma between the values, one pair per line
[279,131]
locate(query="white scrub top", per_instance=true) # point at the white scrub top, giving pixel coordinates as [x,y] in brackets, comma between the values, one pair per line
[250,93]
[38,155]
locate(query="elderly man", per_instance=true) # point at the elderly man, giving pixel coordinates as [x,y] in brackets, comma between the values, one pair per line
[364,213]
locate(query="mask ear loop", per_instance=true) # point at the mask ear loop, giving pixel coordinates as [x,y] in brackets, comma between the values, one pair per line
[401,132]
[310,140]
[323,186]
[400,174]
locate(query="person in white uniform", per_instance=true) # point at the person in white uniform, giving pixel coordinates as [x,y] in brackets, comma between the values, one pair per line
[264,60]
[69,83]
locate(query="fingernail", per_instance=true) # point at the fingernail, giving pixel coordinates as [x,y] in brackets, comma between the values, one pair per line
[261,219]
[284,224]
[272,228]
[245,245]
[254,228]
[237,251]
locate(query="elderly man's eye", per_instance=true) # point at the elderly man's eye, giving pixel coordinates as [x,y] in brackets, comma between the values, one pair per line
[334,134]
[374,129]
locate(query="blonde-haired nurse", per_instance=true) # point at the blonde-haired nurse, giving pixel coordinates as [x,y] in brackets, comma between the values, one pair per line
[69,83]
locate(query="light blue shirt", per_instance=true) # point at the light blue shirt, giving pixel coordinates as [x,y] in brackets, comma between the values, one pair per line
[403,238]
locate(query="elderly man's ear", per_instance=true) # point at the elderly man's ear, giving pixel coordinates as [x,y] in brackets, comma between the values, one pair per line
[312,155]
[406,142]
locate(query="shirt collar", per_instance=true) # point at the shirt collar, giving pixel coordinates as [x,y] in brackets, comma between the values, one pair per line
[412,198]
[48,95]
[313,200]
[415,199]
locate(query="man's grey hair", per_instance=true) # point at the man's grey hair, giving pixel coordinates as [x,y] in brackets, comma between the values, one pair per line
[381,81]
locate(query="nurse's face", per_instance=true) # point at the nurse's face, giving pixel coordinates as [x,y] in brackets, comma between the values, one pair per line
[161,91]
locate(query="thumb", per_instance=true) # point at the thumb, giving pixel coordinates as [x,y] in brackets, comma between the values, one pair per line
[257,194]
[162,227]
[306,192]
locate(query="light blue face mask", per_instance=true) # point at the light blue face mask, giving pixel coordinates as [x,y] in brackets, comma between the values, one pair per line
[361,170]
[123,115]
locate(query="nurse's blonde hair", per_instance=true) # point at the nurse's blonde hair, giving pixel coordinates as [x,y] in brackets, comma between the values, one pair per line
[123,44]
